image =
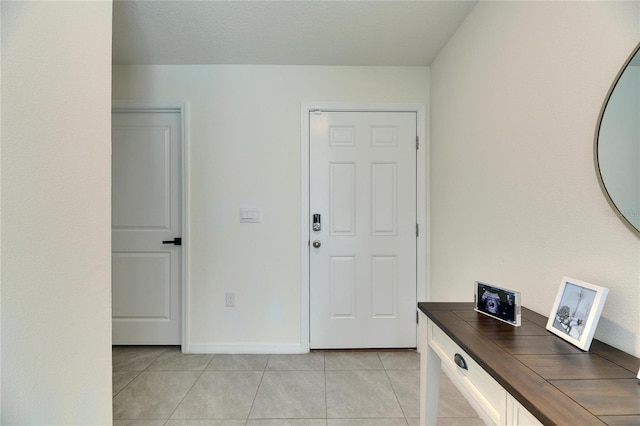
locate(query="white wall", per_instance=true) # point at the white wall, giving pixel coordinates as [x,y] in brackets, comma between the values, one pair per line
[245,151]
[515,201]
[56,289]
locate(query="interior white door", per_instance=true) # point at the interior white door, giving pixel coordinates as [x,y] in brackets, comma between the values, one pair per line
[146,219]
[362,260]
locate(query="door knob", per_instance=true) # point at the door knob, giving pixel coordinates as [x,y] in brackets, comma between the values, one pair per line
[176,241]
[316,243]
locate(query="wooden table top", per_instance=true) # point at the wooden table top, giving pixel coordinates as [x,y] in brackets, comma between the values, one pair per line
[557,382]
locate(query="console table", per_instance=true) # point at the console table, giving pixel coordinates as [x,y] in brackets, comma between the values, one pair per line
[523,375]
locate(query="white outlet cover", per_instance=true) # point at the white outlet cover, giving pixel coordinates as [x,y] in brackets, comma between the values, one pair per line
[230,300]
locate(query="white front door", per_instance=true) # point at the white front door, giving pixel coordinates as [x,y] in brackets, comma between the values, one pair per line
[146,219]
[362,261]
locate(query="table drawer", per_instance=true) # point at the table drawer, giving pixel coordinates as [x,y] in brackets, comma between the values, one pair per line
[473,381]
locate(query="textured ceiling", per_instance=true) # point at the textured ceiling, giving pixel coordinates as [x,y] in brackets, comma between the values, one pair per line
[321,32]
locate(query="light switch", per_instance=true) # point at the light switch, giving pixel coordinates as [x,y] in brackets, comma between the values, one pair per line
[249,215]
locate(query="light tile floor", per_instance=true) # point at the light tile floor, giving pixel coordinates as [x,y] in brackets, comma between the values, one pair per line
[158,386]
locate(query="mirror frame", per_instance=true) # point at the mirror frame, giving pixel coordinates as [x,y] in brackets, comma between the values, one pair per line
[603,186]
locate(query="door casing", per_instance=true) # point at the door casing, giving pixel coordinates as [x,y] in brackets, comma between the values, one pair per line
[127,105]
[421,198]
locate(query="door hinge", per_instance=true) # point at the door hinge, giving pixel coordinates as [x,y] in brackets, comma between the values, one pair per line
[417,317]
[417,230]
[417,142]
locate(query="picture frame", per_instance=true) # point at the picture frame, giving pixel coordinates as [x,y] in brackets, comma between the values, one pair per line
[576,311]
[497,302]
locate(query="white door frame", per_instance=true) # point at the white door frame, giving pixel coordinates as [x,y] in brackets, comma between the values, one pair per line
[421,198]
[127,105]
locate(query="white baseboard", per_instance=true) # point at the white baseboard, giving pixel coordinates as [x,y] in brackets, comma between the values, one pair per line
[243,348]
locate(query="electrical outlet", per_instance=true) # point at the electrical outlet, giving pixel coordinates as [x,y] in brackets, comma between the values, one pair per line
[230,300]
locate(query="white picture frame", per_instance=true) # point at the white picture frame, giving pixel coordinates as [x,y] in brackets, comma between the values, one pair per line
[576,311]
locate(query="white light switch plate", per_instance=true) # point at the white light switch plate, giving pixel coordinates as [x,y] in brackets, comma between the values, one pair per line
[249,215]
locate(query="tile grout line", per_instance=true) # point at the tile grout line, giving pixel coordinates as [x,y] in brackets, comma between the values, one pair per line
[133,371]
[128,383]
[138,373]
[393,389]
[326,399]
[187,393]
[264,370]
[386,373]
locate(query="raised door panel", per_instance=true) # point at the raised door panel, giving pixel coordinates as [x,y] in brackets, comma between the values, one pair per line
[384,198]
[342,219]
[141,178]
[343,287]
[384,280]
[141,286]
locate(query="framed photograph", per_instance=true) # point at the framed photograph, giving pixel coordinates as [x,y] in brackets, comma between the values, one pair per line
[499,303]
[576,311]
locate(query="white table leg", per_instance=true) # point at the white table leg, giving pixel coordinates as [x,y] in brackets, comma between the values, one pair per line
[430,369]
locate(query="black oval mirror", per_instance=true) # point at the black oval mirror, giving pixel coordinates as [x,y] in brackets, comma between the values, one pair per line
[617,144]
